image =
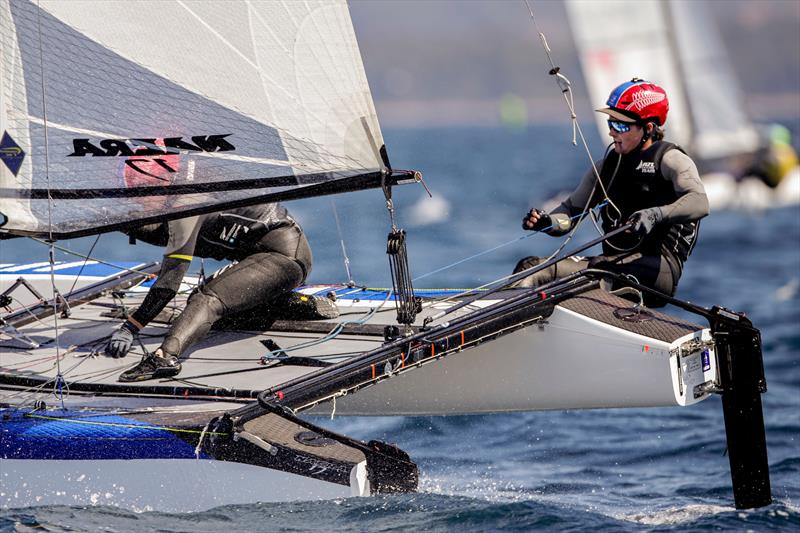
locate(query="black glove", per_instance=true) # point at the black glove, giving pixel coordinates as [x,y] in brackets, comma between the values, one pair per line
[645,220]
[544,221]
[121,340]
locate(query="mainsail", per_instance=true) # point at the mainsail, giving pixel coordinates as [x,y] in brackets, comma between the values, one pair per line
[676,45]
[120,111]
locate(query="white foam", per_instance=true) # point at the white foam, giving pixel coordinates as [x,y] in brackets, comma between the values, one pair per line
[787,291]
[676,515]
[429,210]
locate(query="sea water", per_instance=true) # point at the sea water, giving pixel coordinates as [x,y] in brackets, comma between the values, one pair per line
[614,469]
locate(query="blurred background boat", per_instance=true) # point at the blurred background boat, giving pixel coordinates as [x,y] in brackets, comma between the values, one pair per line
[678,45]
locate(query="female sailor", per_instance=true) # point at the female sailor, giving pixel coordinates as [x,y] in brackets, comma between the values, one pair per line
[645,181]
[271,257]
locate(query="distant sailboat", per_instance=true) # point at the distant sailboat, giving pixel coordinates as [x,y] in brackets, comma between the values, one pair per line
[677,44]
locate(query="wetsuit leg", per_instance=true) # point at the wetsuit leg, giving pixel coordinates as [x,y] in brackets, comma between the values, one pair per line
[289,241]
[281,262]
[255,280]
[568,266]
[650,270]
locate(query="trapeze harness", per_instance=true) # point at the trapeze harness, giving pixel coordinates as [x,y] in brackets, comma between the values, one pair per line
[271,257]
[657,259]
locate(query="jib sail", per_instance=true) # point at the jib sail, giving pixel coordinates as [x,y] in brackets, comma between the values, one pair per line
[112,112]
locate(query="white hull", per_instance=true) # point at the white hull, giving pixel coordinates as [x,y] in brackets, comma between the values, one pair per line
[572,362]
[751,194]
[166,485]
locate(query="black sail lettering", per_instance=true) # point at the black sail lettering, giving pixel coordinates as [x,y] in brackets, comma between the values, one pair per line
[83,147]
[116,147]
[148,147]
[180,144]
[213,143]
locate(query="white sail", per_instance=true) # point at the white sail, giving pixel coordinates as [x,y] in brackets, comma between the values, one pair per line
[676,45]
[134,109]
[720,123]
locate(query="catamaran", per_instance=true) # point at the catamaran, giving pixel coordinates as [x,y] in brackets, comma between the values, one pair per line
[238,103]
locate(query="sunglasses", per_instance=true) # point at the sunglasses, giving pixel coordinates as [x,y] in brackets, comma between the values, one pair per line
[619,127]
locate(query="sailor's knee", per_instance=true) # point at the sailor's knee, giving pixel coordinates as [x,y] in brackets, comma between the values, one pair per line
[526,263]
[600,262]
[209,300]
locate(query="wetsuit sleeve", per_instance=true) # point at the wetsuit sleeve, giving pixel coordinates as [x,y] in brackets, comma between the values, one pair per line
[574,204]
[180,247]
[692,202]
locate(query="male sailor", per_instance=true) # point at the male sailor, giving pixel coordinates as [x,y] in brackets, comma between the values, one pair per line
[646,181]
[271,257]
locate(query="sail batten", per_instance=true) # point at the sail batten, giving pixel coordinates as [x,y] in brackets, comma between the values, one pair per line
[154,115]
[335,186]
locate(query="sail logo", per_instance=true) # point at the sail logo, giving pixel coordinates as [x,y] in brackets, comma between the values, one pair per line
[11,154]
[149,147]
[647,167]
[151,157]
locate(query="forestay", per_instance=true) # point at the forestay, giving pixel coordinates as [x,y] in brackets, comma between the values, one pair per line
[130,110]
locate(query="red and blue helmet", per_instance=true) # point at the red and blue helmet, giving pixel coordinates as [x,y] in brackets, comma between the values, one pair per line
[638,101]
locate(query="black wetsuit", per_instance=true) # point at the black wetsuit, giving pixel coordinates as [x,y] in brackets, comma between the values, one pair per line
[271,257]
[661,176]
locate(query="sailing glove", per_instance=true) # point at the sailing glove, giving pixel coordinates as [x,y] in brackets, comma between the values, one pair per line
[121,340]
[544,221]
[645,220]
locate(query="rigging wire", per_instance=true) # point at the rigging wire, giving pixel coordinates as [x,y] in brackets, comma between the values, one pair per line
[60,384]
[566,89]
[85,260]
[350,281]
[88,257]
[495,248]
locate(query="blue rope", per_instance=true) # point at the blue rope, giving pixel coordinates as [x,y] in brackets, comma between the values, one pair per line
[333,333]
[526,236]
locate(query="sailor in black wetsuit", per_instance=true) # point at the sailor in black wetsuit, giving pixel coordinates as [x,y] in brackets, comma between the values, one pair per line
[271,256]
[648,182]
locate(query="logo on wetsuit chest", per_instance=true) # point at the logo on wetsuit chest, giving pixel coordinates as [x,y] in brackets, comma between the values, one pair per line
[230,234]
[647,167]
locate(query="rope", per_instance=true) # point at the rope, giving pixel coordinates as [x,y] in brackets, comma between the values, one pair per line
[199,448]
[51,255]
[82,256]
[495,248]
[498,281]
[118,425]
[341,393]
[86,260]
[278,354]
[566,89]
[350,281]
[338,329]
